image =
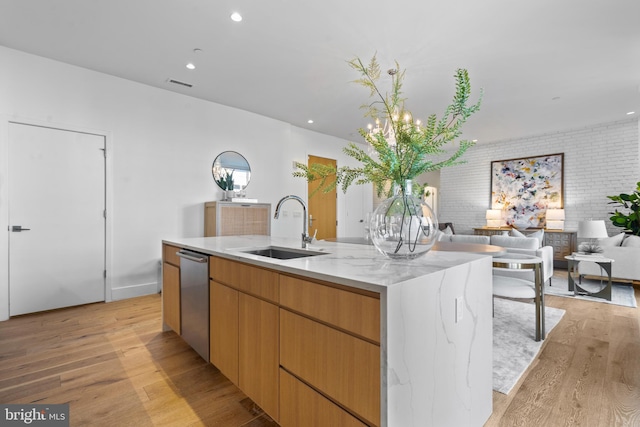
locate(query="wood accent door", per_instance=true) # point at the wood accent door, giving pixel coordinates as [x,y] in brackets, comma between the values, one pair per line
[300,405]
[322,206]
[171,288]
[259,353]
[223,329]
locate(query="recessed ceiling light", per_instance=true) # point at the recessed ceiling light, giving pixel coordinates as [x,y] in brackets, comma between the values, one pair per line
[236,17]
[630,113]
[309,121]
[474,140]
[191,66]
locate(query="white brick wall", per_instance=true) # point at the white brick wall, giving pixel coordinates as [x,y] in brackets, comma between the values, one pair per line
[599,161]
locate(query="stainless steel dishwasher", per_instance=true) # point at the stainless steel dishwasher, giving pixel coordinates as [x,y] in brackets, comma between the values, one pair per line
[194,300]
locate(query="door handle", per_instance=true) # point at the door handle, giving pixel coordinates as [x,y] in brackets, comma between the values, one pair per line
[310,220]
[18,228]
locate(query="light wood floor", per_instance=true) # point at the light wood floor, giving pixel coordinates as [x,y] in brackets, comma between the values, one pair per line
[115,367]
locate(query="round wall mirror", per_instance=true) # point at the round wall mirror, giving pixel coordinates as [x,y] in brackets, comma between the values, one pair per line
[231,171]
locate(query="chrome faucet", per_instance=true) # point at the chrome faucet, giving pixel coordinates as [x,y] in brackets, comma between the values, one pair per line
[305,232]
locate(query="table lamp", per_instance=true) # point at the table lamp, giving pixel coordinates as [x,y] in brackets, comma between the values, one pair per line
[591,229]
[555,219]
[494,218]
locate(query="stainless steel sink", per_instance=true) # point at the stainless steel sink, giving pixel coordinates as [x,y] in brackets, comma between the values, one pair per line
[282,253]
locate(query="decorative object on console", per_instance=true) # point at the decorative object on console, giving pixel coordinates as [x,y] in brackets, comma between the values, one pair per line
[400,150]
[591,229]
[527,187]
[555,219]
[232,173]
[629,222]
[494,218]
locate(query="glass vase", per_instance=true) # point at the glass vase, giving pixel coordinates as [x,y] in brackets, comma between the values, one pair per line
[403,226]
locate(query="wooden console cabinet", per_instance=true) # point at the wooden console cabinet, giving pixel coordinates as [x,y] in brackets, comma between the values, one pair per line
[564,242]
[235,219]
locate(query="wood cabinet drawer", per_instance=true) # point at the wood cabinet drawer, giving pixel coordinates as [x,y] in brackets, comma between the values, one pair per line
[300,405]
[246,278]
[339,365]
[169,255]
[356,313]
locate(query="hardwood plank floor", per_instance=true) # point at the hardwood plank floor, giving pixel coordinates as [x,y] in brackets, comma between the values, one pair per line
[114,366]
[587,374]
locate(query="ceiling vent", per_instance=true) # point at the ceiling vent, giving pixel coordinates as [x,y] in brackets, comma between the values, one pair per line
[178,82]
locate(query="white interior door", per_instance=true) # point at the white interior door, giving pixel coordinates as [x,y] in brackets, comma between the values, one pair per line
[57,192]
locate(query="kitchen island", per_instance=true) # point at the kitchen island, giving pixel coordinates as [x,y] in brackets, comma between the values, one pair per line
[347,335]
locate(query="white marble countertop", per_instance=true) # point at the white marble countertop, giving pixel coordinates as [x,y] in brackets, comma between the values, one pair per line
[360,266]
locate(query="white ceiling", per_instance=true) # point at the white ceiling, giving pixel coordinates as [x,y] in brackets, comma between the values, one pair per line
[544,65]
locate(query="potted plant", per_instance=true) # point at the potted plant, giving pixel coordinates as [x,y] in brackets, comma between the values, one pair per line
[629,221]
[401,149]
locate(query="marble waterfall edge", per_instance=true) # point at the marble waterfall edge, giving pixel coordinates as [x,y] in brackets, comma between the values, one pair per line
[439,371]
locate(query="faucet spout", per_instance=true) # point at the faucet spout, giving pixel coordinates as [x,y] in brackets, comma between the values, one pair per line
[305,230]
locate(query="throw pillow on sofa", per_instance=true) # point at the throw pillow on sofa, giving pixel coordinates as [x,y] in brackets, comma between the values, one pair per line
[514,242]
[631,242]
[612,241]
[536,235]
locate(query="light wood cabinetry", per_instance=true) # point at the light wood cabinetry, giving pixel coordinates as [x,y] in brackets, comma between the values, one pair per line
[171,288]
[244,329]
[347,310]
[258,352]
[234,219]
[329,340]
[252,280]
[223,329]
[322,338]
[564,242]
[341,366]
[306,407]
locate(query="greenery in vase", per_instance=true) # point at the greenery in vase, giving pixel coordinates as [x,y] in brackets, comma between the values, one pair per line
[413,144]
[629,221]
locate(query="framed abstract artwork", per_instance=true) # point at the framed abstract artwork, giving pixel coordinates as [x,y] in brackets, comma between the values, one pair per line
[525,188]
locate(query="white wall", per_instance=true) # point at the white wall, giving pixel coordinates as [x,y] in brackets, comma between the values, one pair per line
[599,161]
[162,146]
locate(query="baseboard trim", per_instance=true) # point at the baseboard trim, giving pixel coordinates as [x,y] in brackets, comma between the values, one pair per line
[133,291]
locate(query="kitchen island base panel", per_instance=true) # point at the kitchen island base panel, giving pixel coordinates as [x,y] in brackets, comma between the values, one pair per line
[439,372]
[435,367]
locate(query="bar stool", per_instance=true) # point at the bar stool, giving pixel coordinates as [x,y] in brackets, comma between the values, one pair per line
[513,287]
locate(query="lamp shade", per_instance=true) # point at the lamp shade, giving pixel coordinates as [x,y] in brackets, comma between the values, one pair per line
[494,218]
[592,229]
[494,214]
[555,214]
[554,219]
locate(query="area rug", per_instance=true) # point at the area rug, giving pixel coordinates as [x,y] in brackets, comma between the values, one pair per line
[621,293]
[514,345]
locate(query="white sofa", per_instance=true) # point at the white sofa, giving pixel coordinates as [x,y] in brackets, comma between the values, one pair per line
[520,245]
[624,250]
